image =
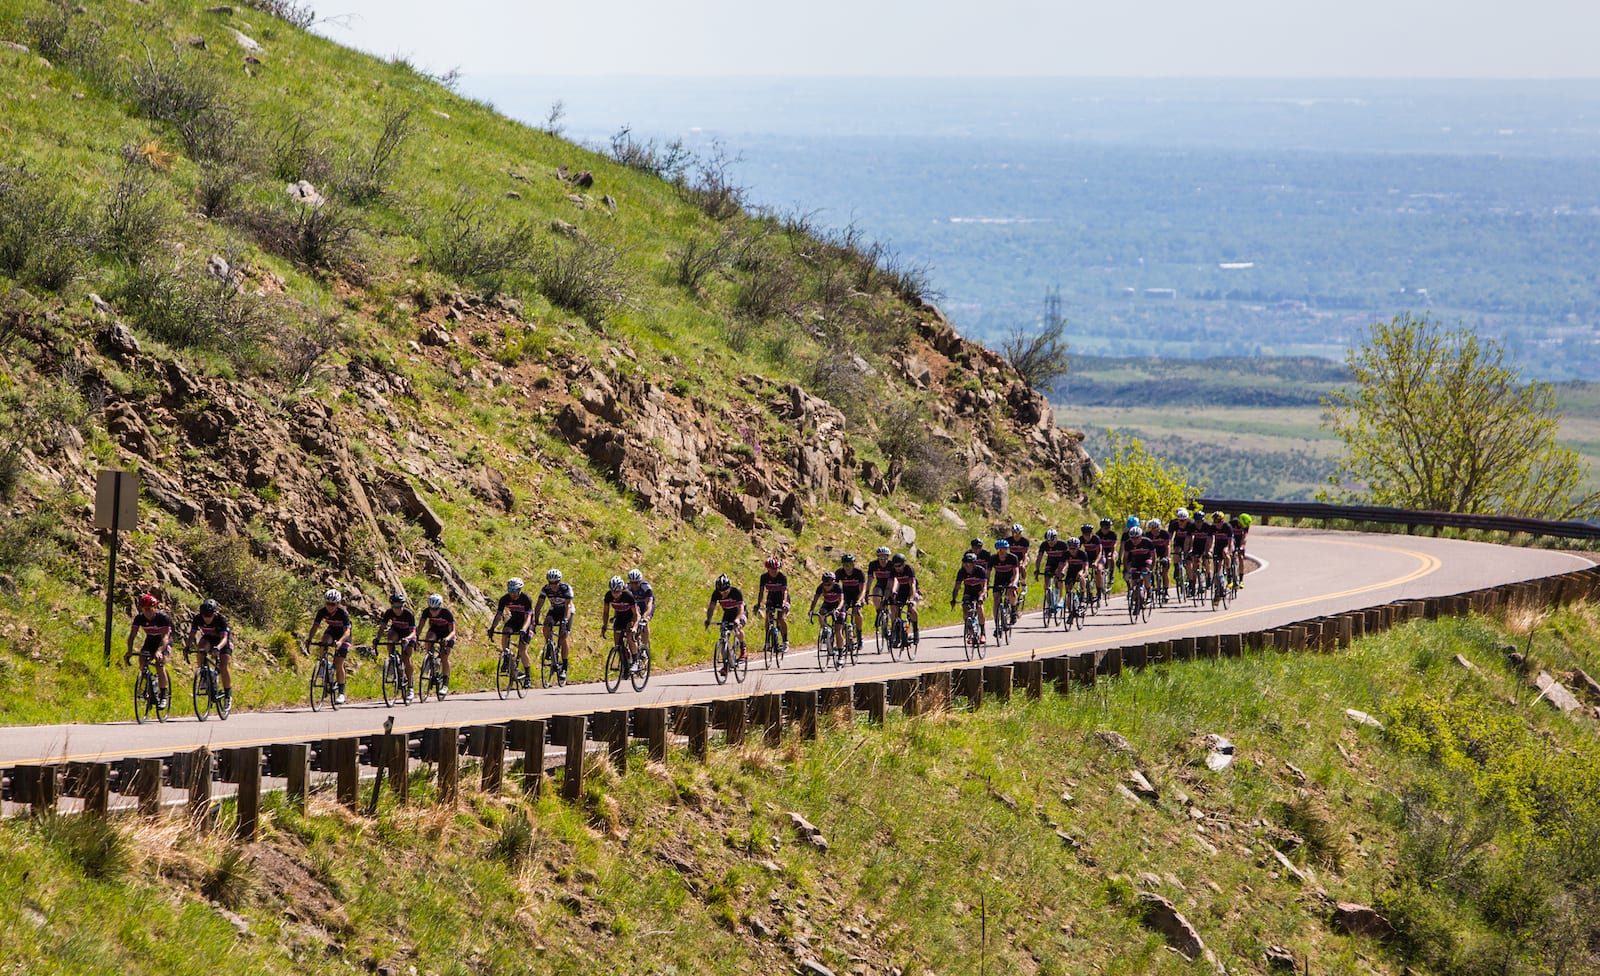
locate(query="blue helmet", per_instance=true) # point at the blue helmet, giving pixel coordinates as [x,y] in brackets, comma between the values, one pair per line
[1002,544]
[1133,522]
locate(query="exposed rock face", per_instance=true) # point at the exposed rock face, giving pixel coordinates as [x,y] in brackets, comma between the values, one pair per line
[1164,917]
[1354,919]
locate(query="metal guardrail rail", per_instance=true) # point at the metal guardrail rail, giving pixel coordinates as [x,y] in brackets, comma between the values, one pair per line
[1410,518]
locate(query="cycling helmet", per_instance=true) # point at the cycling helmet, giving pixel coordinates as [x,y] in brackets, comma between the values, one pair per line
[1002,544]
[1152,525]
[849,558]
[1133,521]
[899,557]
[828,577]
[1016,528]
[883,550]
[1182,513]
[397,599]
[723,582]
[1134,532]
[634,576]
[1073,542]
[553,576]
[514,584]
[435,601]
[148,600]
[970,557]
[1216,516]
[1085,527]
[1050,533]
[1105,523]
[615,583]
[332,596]
[208,608]
[1244,519]
[977,542]
[772,562]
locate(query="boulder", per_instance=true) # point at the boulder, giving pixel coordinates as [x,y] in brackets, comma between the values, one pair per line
[1556,693]
[1162,916]
[990,489]
[118,341]
[437,337]
[1353,919]
[1362,718]
[1590,687]
[245,41]
[583,179]
[305,193]
[793,511]
[490,485]
[125,425]
[1115,741]
[1278,957]
[950,516]
[395,493]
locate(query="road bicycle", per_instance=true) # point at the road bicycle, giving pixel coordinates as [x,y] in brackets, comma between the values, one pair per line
[1236,574]
[430,673]
[1220,592]
[551,670]
[1163,593]
[1005,619]
[1140,596]
[727,654]
[324,679]
[147,697]
[971,630]
[207,691]
[1052,602]
[883,630]
[900,633]
[620,662]
[835,642]
[396,689]
[772,645]
[1077,604]
[508,673]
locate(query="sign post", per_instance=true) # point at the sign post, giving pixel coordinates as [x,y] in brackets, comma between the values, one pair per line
[116,509]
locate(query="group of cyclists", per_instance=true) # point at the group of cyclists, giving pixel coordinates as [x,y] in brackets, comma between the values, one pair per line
[1187,552]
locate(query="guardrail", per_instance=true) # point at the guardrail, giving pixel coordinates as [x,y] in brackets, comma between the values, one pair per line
[185,780]
[1410,518]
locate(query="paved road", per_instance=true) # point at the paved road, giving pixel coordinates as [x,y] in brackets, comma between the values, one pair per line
[1306,573]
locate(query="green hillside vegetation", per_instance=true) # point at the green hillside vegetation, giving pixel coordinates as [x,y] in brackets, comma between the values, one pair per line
[1000,841]
[462,350]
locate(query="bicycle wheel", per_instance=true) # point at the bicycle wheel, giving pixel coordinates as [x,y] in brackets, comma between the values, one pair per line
[200,693]
[1146,601]
[1080,615]
[741,663]
[824,648]
[224,700]
[428,680]
[894,639]
[969,637]
[391,680]
[850,642]
[719,660]
[144,696]
[549,668]
[881,634]
[640,675]
[613,670]
[775,639]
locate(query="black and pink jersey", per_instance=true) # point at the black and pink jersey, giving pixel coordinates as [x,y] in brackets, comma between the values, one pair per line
[853,581]
[882,571]
[517,606]
[830,595]
[1004,568]
[1020,547]
[337,619]
[774,588]
[1054,553]
[985,558]
[731,601]
[970,581]
[155,626]
[1141,554]
[399,621]
[210,634]
[623,605]
[439,621]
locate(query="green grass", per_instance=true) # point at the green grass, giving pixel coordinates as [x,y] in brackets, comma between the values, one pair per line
[939,828]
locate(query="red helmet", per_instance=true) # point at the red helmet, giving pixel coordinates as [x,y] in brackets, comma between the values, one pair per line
[147,600]
[772,562]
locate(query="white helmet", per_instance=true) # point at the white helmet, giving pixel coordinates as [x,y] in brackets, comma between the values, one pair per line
[332,596]
[553,576]
[1182,513]
[1016,528]
[514,584]
[634,576]
[435,600]
[615,583]
[1134,532]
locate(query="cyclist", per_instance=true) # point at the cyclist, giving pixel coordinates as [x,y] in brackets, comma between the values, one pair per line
[559,616]
[1052,554]
[1199,545]
[645,599]
[441,631]
[1090,543]
[731,600]
[1078,562]
[1180,528]
[831,594]
[1141,556]
[1003,572]
[620,608]
[1133,522]
[1221,542]
[774,587]
[972,583]
[1022,548]
[882,572]
[1240,527]
[210,630]
[985,558]
[517,609]
[157,628]
[905,592]
[854,583]
[398,625]
[1109,540]
[1162,539]
[334,619]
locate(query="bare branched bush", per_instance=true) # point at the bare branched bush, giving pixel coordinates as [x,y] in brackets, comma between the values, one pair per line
[62,35]
[295,12]
[698,259]
[837,379]
[667,162]
[580,275]
[298,151]
[194,100]
[225,568]
[555,119]
[929,470]
[468,242]
[135,218]
[1038,355]
[712,187]
[366,175]
[218,190]
[194,309]
[304,346]
[45,231]
[319,237]
[770,288]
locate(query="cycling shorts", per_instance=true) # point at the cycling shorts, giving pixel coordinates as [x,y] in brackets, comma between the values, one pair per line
[1074,570]
[210,644]
[152,645]
[557,618]
[1053,567]
[901,596]
[777,604]
[441,639]
[851,599]
[624,620]
[1004,581]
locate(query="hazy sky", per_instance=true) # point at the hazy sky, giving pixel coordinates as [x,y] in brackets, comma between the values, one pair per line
[1108,38]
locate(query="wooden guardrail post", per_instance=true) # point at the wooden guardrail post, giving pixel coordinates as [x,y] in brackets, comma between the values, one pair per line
[447,761]
[838,701]
[292,761]
[344,755]
[147,785]
[997,680]
[738,717]
[936,691]
[970,687]
[771,719]
[527,737]
[574,732]
[902,692]
[1136,657]
[492,777]
[1110,663]
[1082,668]
[803,706]
[1232,645]
[1030,674]
[699,720]
[246,771]
[90,782]
[198,773]
[612,729]
[1185,649]
[394,753]
[651,725]
[873,696]
[1208,648]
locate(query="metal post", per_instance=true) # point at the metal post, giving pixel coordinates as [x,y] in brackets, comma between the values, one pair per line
[111,573]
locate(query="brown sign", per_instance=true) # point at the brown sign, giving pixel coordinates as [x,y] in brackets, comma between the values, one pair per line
[116,500]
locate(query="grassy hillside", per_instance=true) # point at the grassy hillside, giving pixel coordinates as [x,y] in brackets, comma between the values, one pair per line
[1001,841]
[355,330]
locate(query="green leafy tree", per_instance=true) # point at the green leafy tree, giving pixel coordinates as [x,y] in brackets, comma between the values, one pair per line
[1437,421]
[1132,481]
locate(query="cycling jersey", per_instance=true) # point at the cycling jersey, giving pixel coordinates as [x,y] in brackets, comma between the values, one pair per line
[643,595]
[1020,547]
[853,581]
[905,579]
[732,603]
[1091,548]
[830,594]
[1054,553]
[156,628]
[210,634]
[1199,539]
[624,606]
[1180,534]
[337,619]
[399,621]
[882,572]
[1004,569]
[985,558]
[440,621]
[1161,539]
[1141,554]
[1239,533]
[559,596]
[1221,540]
[774,588]
[970,582]
[1108,544]
[517,607]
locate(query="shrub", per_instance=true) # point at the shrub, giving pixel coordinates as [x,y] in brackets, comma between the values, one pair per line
[769,289]
[194,100]
[226,570]
[836,378]
[580,275]
[713,189]
[698,259]
[231,880]
[135,218]
[1039,356]
[299,14]
[318,237]
[191,309]
[466,242]
[514,844]
[62,36]
[45,232]
[302,349]
[298,151]
[366,175]
[667,162]
[928,469]
[217,191]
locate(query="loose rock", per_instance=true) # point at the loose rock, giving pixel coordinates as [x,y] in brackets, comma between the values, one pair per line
[1362,718]
[1556,693]
[1354,919]
[1161,915]
[1114,740]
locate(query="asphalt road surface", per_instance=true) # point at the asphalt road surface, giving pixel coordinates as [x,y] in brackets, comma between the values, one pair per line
[1304,573]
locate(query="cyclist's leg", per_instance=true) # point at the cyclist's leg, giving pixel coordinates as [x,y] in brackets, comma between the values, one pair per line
[524,638]
[405,659]
[444,647]
[225,671]
[341,651]
[781,618]
[566,628]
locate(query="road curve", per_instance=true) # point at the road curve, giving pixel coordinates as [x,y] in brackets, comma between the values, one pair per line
[1306,573]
